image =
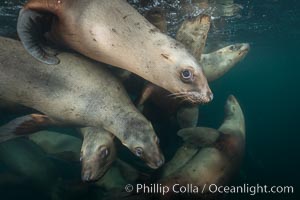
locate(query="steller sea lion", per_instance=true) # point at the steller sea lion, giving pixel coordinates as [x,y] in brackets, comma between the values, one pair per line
[96,152]
[113,32]
[193,34]
[219,155]
[217,63]
[78,92]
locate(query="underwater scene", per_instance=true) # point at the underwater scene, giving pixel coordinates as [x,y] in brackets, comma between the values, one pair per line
[149,99]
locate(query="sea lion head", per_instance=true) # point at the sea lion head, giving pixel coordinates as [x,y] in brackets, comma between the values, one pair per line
[217,63]
[234,122]
[97,154]
[142,141]
[187,77]
[236,52]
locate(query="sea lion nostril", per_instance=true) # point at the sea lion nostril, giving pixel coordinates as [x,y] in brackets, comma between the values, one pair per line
[210,95]
[159,163]
[86,176]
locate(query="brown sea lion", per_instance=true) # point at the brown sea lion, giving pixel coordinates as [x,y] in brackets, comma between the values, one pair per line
[78,92]
[219,155]
[96,152]
[113,32]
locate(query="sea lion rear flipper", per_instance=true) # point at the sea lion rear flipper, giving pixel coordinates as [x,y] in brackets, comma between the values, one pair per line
[199,136]
[30,33]
[23,126]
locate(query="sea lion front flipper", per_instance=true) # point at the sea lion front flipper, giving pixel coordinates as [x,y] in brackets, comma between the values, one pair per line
[145,95]
[193,34]
[157,17]
[23,126]
[199,136]
[29,28]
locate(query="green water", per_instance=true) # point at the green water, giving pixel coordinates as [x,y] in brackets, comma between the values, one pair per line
[266,83]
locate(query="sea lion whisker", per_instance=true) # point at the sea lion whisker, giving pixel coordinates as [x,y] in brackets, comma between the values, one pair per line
[176,93]
[179,96]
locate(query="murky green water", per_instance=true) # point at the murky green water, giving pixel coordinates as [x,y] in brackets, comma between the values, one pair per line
[266,83]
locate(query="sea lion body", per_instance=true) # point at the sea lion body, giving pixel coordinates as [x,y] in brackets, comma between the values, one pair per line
[79,92]
[113,32]
[220,151]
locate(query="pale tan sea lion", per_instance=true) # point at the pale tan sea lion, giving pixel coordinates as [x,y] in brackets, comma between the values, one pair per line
[220,152]
[77,92]
[98,152]
[113,32]
[192,33]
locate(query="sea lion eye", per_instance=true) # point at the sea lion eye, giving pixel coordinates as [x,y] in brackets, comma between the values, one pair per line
[231,47]
[139,151]
[186,75]
[104,152]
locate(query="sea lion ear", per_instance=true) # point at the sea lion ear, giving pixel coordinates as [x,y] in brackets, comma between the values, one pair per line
[199,136]
[29,28]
